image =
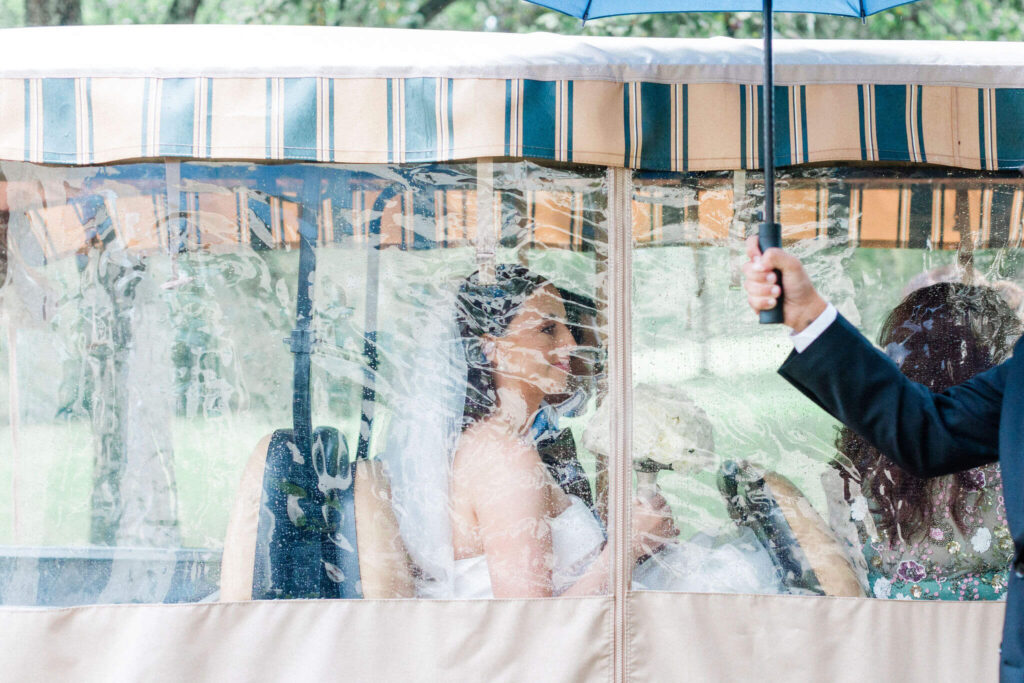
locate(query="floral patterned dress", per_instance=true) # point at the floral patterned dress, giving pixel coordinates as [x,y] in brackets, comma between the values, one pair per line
[941,563]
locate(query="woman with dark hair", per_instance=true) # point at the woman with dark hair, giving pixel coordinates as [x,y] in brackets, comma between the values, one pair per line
[944,538]
[479,512]
[515,532]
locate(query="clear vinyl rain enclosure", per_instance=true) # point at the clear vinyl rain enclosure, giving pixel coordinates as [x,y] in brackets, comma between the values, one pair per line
[378,315]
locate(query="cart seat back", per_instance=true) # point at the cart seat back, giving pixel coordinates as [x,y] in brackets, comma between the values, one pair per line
[318,529]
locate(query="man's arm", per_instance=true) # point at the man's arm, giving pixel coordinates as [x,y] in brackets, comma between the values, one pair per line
[928,434]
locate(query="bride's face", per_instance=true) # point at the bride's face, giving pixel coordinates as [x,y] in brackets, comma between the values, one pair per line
[537,345]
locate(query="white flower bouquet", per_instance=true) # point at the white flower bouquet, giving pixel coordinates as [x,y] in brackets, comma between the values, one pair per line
[670,431]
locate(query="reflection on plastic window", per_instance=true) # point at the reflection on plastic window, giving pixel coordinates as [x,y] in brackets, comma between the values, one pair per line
[142,361]
[785,500]
[161,294]
[453,439]
[490,371]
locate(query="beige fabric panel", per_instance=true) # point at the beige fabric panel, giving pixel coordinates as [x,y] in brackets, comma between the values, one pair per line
[567,639]
[673,637]
[12,119]
[598,126]
[695,637]
[244,102]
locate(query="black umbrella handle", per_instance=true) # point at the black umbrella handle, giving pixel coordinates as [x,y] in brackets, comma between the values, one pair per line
[770,235]
[768,116]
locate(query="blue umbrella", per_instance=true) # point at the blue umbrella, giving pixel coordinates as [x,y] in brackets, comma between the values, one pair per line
[596,9]
[769,231]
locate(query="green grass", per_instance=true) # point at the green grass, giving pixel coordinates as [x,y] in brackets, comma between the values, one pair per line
[55,468]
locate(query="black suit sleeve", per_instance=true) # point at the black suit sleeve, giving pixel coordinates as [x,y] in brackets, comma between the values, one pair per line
[927,434]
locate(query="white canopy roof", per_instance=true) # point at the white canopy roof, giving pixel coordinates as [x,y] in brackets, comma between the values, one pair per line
[292,51]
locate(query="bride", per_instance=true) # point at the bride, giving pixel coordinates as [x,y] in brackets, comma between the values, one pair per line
[479,512]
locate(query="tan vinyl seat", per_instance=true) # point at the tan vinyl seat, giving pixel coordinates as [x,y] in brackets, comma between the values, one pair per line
[820,546]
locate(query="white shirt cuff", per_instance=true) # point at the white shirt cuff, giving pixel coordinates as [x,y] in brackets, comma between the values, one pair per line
[801,340]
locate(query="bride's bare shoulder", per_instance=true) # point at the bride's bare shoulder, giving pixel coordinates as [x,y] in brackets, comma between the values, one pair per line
[492,448]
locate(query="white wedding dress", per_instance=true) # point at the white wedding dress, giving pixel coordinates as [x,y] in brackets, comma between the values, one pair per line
[729,563]
[576,540]
[699,565]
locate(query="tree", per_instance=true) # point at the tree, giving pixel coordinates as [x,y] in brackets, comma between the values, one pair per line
[930,20]
[183,11]
[53,12]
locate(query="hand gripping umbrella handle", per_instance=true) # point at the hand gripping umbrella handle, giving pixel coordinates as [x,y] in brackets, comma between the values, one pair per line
[770,235]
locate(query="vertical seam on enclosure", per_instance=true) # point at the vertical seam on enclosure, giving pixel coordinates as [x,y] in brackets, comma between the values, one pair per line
[486,235]
[621,389]
[172,185]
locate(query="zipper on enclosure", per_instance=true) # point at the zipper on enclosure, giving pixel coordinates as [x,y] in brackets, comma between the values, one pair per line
[621,386]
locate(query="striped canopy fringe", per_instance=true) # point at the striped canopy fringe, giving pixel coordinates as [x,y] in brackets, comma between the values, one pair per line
[927,213]
[640,125]
[223,220]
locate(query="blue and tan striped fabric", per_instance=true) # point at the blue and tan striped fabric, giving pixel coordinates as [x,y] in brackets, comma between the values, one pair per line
[226,218]
[642,125]
[933,214]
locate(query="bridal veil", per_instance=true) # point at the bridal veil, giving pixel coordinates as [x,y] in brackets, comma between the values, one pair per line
[428,389]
